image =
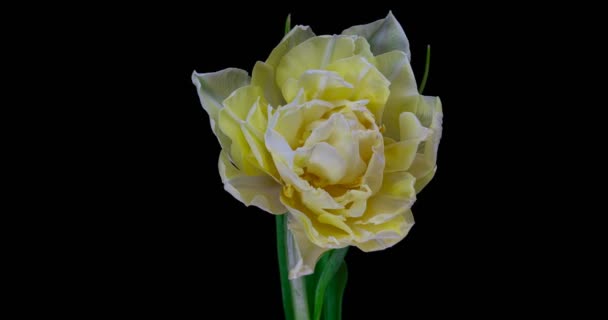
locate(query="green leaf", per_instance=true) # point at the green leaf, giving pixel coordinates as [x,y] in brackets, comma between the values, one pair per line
[313,279]
[281,221]
[332,308]
[288,24]
[335,260]
[426,68]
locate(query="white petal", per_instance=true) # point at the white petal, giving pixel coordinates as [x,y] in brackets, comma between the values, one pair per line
[306,255]
[383,35]
[213,88]
[424,165]
[261,191]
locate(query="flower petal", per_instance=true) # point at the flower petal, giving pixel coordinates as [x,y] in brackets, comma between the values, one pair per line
[389,233]
[283,157]
[383,35]
[395,197]
[213,88]
[263,76]
[424,165]
[373,175]
[321,234]
[306,254]
[318,84]
[400,155]
[325,162]
[243,120]
[260,191]
[424,180]
[297,35]
[369,84]
[396,68]
[313,54]
[411,128]
[362,49]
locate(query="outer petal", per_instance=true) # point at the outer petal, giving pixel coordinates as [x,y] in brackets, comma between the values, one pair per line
[401,154]
[322,233]
[424,180]
[296,36]
[396,67]
[234,121]
[389,233]
[260,191]
[383,35]
[213,88]
[306,254]
[424,165]
[395,197]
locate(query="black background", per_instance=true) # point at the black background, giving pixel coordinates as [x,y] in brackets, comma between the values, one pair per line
[167,239]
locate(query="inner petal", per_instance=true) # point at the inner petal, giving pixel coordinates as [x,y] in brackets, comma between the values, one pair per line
[368,82]
[326,163]
[319,84]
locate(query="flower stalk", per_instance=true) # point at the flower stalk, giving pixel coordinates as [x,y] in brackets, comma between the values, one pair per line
[299,298]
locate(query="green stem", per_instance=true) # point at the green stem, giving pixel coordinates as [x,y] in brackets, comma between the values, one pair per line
[299,297]
[295,300]
[426,68]
[283,268]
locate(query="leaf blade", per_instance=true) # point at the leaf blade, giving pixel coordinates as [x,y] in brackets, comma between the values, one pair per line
[332,309]
[332,266]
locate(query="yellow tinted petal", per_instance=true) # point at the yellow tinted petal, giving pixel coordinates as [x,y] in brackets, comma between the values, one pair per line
[297,35]
[355,201]
[240,152]
[318,200]
[240,102]
[313,54]
[244,121]
[336,221]
[387,234]
[262,156]
[395,66]
[319,84]
[395,197]
[368,82]
[326,163]
[424,180]
[375,167]
[400,155]
[362,49]
[411,128]
[263,76]
[392,113]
